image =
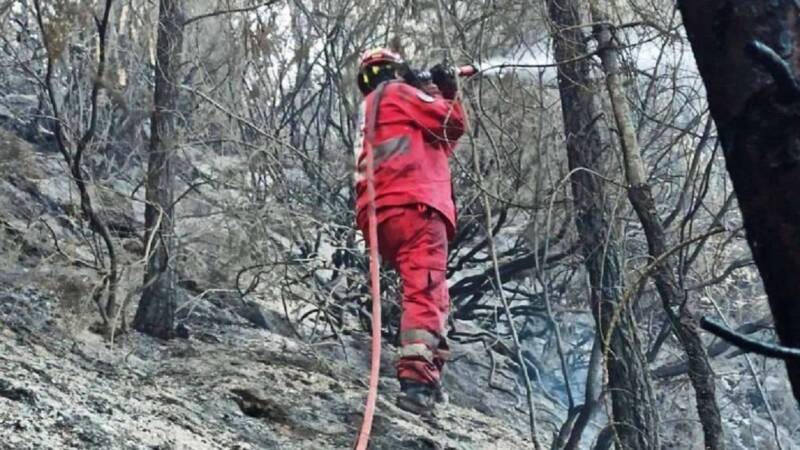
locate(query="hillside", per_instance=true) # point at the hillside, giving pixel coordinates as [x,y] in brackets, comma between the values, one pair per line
[571,188]
[240,378]
[227,386]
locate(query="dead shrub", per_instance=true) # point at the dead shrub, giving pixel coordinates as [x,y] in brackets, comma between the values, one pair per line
[75,304]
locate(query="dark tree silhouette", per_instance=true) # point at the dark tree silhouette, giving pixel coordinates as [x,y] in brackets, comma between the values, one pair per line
[640,194]
[156,311]
[634,422]
[748,53]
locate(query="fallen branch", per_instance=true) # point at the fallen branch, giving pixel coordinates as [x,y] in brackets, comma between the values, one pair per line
[749,344]
[713,350]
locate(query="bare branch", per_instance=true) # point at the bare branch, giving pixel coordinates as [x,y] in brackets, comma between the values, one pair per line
[228,11]
[749,344]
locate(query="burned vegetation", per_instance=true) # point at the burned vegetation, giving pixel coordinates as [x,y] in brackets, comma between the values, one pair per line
[181,264]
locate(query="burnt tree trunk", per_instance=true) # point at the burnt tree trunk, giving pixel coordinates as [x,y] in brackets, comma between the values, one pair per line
[156,312]
[754,97]
[640,195]
[634,419]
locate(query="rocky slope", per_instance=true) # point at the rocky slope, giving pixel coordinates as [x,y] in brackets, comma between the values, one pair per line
[227,386]
[234,382]
[242,377]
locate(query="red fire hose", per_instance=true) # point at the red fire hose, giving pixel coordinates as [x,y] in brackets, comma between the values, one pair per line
[374,275]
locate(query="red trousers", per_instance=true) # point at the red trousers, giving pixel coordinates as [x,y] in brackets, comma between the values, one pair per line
[413,239]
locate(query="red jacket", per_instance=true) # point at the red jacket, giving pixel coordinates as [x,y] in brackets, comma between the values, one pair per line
[412,135]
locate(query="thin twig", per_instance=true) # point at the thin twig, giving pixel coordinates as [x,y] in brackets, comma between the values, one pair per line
[61,251]
[493,370]
[752,369]
[496,263]
[227,11]
[73,159]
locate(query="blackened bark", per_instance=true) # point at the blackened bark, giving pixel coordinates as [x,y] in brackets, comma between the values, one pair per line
[156,312]
[683,321]
[758,119]
[641,197]
[634,419]
[109,311]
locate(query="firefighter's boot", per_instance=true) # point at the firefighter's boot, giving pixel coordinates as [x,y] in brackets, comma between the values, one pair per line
[417,398]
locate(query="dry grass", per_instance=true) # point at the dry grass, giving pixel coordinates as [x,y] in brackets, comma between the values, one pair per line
[17,156]
[75,305]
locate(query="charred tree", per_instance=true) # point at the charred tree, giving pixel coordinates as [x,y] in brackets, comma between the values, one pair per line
[640,194]
[74,152]
[156,312]
[748,54]
[634,419]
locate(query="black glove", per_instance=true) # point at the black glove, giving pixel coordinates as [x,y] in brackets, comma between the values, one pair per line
[416,78]
[444,78]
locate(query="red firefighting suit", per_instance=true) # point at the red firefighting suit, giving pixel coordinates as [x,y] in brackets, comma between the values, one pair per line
[411,134]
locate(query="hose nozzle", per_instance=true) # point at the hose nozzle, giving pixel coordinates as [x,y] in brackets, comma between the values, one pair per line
[467,70]
[421,77]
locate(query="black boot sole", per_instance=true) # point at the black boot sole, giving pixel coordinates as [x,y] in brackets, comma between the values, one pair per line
[409,405]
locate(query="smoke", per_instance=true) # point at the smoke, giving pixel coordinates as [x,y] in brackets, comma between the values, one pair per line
[526,63]
[531,62]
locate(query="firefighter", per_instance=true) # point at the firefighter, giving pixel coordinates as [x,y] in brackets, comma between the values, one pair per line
[411,132]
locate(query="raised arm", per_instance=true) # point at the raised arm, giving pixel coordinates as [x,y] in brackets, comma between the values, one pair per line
[439,118]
